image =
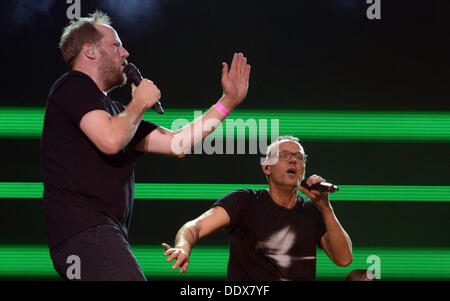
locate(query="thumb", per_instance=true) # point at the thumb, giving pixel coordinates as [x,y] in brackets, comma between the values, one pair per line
[224,71]
[166,246]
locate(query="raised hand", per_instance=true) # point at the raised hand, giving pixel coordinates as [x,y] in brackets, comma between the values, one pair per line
[235,81]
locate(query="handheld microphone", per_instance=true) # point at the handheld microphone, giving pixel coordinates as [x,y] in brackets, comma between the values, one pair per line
[133,74]
[323,186]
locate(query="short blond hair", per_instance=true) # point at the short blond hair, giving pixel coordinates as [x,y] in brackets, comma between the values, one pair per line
[79,32]
[277,141]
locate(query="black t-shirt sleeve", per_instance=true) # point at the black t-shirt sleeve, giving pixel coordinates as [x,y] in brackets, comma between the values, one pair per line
[78,96]
[145,128]
[235,204]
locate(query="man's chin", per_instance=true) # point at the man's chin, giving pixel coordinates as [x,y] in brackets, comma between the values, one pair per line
[118,84]
[289,184]
[121,79]
[122,83]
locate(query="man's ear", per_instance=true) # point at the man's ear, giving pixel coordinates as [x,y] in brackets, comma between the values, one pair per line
[266,169]
[88,51]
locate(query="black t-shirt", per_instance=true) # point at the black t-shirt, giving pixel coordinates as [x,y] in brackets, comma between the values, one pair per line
[82,186]
[268,241]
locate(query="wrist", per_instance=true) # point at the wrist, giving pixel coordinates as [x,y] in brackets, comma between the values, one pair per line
[186,249]
[137,106]
[326,209]
[219,107]
[227,103]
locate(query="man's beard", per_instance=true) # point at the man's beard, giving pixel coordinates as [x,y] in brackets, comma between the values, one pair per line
[111,74]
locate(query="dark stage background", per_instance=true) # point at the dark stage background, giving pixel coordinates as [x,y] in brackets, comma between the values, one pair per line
[305,55]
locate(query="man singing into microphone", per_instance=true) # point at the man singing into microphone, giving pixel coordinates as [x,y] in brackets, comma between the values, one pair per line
[89,145]
[274,232]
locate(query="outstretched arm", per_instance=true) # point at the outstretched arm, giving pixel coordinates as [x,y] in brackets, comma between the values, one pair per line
[188,235]
[177,143]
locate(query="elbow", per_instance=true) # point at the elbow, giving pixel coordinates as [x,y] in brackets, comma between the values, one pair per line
[177,150]
[110,147]
[176,154]
[180,155]
[345,262]
[110,151]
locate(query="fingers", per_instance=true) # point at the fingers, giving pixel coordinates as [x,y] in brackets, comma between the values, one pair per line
[234,63]
[184,267]
[307,192]
[173,254]
[239,65]
[247,72]
[179,255]
[169,251]
[133,90]
[314,179]
[242,63]
[235,80]
[147,94]
[180,259]
[166,246]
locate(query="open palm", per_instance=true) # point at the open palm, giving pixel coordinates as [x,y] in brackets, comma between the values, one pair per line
[235,79]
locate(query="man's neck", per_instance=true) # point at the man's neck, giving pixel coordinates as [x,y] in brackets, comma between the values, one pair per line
[285,197]
[92,73]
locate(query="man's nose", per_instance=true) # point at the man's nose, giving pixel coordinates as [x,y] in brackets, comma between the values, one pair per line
[125,53]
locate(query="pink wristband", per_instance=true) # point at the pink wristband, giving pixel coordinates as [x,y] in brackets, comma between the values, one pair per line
[222,109]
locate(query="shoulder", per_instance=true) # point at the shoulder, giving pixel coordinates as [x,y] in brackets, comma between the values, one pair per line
[236,198]
[240,194]
[75,94]
[76,82]
[237,203]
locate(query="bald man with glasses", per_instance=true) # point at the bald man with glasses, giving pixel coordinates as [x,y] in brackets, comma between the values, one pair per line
[273,232]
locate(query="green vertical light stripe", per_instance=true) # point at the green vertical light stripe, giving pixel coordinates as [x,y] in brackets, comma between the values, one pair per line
[214,191]
[211,261]
[308,125]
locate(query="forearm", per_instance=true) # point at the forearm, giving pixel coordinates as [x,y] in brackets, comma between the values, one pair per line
[340,244]
[193,133]
[122,127]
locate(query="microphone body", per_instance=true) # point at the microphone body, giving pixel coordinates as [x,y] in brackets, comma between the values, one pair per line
[133,74]
[323,186]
